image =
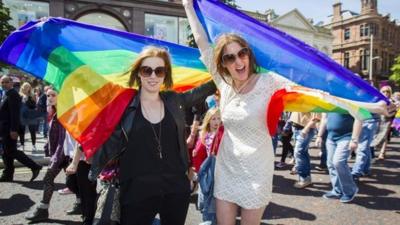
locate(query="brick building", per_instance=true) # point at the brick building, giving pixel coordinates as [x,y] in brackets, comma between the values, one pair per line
[352,39]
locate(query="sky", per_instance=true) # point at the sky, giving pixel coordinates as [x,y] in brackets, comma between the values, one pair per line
[318,10]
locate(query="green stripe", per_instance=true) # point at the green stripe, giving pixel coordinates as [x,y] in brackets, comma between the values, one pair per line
[62,62]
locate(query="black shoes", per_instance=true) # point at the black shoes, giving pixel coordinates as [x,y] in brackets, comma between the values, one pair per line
[38,215]
[76,210]
[35,173]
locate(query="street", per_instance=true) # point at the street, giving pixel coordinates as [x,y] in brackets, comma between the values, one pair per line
[378,201]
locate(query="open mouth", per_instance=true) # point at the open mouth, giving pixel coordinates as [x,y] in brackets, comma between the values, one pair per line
[241,70]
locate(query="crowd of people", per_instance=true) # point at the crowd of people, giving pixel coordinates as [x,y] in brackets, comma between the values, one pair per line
[204,141]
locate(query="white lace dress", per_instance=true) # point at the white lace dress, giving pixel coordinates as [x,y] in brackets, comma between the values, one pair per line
[245,160]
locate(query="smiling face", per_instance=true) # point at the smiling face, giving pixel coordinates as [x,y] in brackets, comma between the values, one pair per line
[235,59]
[152,74]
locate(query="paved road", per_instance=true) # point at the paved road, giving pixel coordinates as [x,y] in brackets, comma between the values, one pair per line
[378,201]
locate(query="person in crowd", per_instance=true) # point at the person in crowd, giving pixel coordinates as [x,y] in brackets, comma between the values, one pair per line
[41,105]
[150,143]
[362,163]
[343,134]
[286,138]
[87,188]
[205,146]
[304,129]
[58,161]
[382,137]
[245,162]
[9,126]
[29,115]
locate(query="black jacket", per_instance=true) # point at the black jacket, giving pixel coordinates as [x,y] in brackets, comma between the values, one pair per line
[176,104]
[9,112]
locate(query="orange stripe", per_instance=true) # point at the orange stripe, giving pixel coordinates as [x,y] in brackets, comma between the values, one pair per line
[79,117]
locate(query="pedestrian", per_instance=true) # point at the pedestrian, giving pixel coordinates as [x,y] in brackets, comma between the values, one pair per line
[29,115]
[304,129]
[9,125]
[87,189]
[58,161]
[207,146]
[150,144]
[343,135]
[245,161]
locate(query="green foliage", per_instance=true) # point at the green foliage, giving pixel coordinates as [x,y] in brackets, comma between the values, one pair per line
[190,38]
[396,71]
[5,27]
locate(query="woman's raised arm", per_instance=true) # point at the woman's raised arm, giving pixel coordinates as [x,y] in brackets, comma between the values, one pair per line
[199,34]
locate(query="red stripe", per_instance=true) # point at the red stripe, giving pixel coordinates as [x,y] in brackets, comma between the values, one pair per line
[91,139]
[274,110]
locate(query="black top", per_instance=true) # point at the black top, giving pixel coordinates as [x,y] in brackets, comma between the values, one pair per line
[141,166]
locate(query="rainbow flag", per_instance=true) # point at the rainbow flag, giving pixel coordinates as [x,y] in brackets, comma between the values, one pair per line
[285,55]
[90,66]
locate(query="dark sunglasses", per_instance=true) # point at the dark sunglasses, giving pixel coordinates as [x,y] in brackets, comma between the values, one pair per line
[231,58]
[147,71]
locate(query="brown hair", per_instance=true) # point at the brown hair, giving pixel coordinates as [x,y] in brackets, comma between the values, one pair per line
[222,42]
[148,52]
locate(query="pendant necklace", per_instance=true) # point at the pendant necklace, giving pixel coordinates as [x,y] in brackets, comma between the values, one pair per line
[156,137]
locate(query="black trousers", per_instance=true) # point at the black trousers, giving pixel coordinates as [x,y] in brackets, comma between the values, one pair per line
[171,207]
[32,131]
[287,147]
[87,192]
[10,153]
[72,183]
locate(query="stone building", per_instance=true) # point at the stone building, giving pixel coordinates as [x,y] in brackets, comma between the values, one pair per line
[295,24]
[352,39]
[162,19]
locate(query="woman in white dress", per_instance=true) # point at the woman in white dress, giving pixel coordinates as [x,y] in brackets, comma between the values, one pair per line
[245,162]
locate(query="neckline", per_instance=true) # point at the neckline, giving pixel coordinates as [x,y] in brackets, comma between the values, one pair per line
[151,123]
[251,90]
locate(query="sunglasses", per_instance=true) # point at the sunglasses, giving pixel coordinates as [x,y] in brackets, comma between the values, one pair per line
[51,95]
[231,58]
[147,71]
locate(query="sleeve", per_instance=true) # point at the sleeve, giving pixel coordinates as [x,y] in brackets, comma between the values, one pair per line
[207,57]
[198,95]
[15,107]
[199,155]
[58,157]
[280,82]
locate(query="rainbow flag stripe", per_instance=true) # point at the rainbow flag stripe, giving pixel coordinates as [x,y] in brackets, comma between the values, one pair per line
[285,55]
[89,66]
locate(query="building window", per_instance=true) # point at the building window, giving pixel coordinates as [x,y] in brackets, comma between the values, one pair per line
[346,62]
[347,34]
[24,11]
[368,29]
[364,59]
[168,28]
[102,19]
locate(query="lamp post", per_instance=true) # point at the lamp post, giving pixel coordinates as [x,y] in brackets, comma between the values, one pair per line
[371,52]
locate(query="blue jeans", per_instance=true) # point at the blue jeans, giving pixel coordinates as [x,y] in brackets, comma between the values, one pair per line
[339,172]
[301,155]
[363,160]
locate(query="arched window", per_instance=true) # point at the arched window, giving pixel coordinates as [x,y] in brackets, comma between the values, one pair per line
[102,19]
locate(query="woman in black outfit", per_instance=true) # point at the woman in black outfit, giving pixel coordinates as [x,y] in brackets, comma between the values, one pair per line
[150,143]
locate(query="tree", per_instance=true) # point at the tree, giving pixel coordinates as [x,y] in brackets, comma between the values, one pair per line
[396,71]
[5,27]
[190,37]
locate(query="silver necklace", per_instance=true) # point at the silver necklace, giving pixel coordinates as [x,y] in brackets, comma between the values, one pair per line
[156,137]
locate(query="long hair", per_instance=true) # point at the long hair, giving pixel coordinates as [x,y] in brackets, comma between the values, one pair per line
[225,40]
[205,127]
[148,52]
